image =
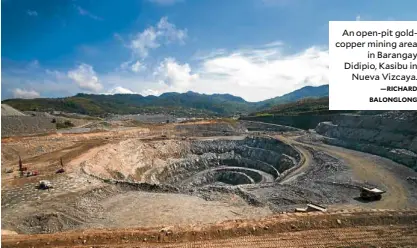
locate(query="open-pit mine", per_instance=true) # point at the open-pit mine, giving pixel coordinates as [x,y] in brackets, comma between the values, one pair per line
[227,183]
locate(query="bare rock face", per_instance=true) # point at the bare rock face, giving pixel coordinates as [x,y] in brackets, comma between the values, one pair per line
[190,163]
[392,134]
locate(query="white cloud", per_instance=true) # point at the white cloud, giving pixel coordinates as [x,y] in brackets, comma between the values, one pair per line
[121,90]
[149,92]
[274,44]
[25,94]
[256,73]
[263,73]
[31,12]
[170,31]
[208,55]
[84,12]
[152,37]
[132,66]
[165,2]
[176,76]
[358,18]
[31,77]
[125,65]
[136,67]
[86,78]
[144,41]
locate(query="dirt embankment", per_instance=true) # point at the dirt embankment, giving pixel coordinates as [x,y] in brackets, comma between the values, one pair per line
[357,229]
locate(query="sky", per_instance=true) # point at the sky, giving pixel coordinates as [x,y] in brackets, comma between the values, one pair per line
[255,49]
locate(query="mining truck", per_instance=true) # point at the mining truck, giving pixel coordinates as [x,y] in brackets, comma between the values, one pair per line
[373,194]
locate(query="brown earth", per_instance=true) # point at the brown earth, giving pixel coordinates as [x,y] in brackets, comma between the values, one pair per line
[383,228]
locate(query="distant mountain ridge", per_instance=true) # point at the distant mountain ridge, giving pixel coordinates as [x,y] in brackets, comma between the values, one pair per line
[305,92]
[189,103]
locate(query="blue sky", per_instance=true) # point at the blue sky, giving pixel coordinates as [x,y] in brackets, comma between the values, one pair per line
[256,49]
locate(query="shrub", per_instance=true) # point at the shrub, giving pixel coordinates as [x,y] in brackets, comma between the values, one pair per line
[66,124]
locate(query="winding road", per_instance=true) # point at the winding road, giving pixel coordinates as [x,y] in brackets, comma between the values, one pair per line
[365,167]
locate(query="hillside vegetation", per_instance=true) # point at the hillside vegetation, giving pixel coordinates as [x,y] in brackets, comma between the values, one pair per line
[170,103]
[179,104]
[307,106]
[305,92]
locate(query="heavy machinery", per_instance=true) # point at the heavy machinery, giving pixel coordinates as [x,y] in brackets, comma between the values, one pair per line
[21,168]
[45,184]
[369,194]
[31,173]
[61,170]
[24,170]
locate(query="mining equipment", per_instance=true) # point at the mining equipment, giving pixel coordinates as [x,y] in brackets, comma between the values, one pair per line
[45,184]
[369,194]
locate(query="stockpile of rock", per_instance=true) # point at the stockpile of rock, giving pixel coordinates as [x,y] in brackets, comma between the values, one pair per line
[6,110]
[14,122]
[392,134]
[25,125]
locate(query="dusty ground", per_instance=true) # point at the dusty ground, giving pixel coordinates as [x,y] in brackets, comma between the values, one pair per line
[327,175]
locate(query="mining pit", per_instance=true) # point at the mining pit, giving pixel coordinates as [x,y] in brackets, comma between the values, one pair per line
[189,174]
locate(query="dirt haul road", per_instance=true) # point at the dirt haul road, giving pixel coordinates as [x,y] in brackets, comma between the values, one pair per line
[366,167]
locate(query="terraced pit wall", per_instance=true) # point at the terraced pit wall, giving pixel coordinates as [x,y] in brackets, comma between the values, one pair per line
[391,136]
[252,160]
[197,163]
